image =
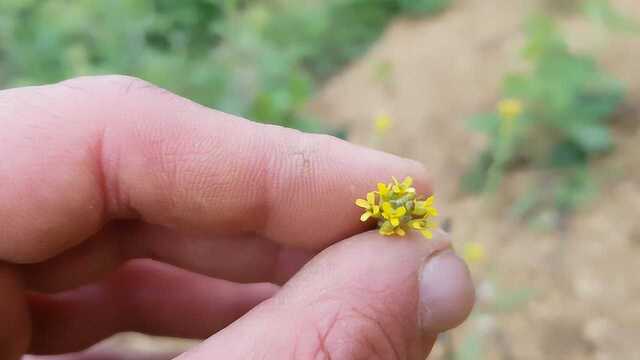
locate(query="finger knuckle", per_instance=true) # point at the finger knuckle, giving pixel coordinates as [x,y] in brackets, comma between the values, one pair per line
[114,93]
[306,152]
[115,82]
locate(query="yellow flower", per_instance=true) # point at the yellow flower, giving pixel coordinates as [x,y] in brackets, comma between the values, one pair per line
[384,191]
[388,229]
[403,187]
[424,225]
[425,208]
[473,252]
[397,209]
[393,215]
[382,123]
[509,109]
[369,205]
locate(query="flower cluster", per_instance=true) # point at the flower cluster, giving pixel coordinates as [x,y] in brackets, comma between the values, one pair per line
[398,209]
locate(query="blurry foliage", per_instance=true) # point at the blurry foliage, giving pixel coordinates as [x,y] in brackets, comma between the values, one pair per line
[259,59]
[602,12]
[567,105]
[420,7]
[484,331]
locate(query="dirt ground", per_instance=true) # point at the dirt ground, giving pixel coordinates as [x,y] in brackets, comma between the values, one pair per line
[587,296]
[444,69]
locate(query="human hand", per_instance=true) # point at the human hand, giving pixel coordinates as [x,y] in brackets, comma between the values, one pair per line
[126,208]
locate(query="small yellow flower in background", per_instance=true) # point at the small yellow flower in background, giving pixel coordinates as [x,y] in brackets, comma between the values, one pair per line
[369,205]
[397,209]
[382,123]
[473,252]
[510,109]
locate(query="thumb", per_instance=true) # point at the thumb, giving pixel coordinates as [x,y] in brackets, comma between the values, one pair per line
[362,298]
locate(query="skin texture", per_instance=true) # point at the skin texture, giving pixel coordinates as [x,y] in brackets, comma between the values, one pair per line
[124,207]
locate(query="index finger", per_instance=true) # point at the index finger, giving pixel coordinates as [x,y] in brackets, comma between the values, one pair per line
[89,150]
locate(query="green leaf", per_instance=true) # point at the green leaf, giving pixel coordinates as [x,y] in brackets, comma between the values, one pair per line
[567,154]
[475,179]
[592,137]
[575,189]
[516,85]
[543,38]
[600,103]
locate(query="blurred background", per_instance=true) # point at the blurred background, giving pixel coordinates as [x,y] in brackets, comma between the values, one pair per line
[525,111]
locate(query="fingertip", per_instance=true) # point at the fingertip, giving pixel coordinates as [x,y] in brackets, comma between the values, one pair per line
[447,293]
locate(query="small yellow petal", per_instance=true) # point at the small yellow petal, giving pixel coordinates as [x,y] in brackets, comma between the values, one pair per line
[400,231]
[386,207]
[419,211]
[427,233]
[362,203]
[407,181]
[364,217]
[394,221]
[371,198]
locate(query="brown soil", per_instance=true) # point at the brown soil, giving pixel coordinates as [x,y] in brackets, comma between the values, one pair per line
[587,302]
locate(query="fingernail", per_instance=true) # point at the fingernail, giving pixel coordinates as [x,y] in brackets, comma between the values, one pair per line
[446,292]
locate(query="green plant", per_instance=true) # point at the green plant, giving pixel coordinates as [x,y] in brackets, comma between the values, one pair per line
[258,59]
[565,103]
[423,6]
[603,13]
